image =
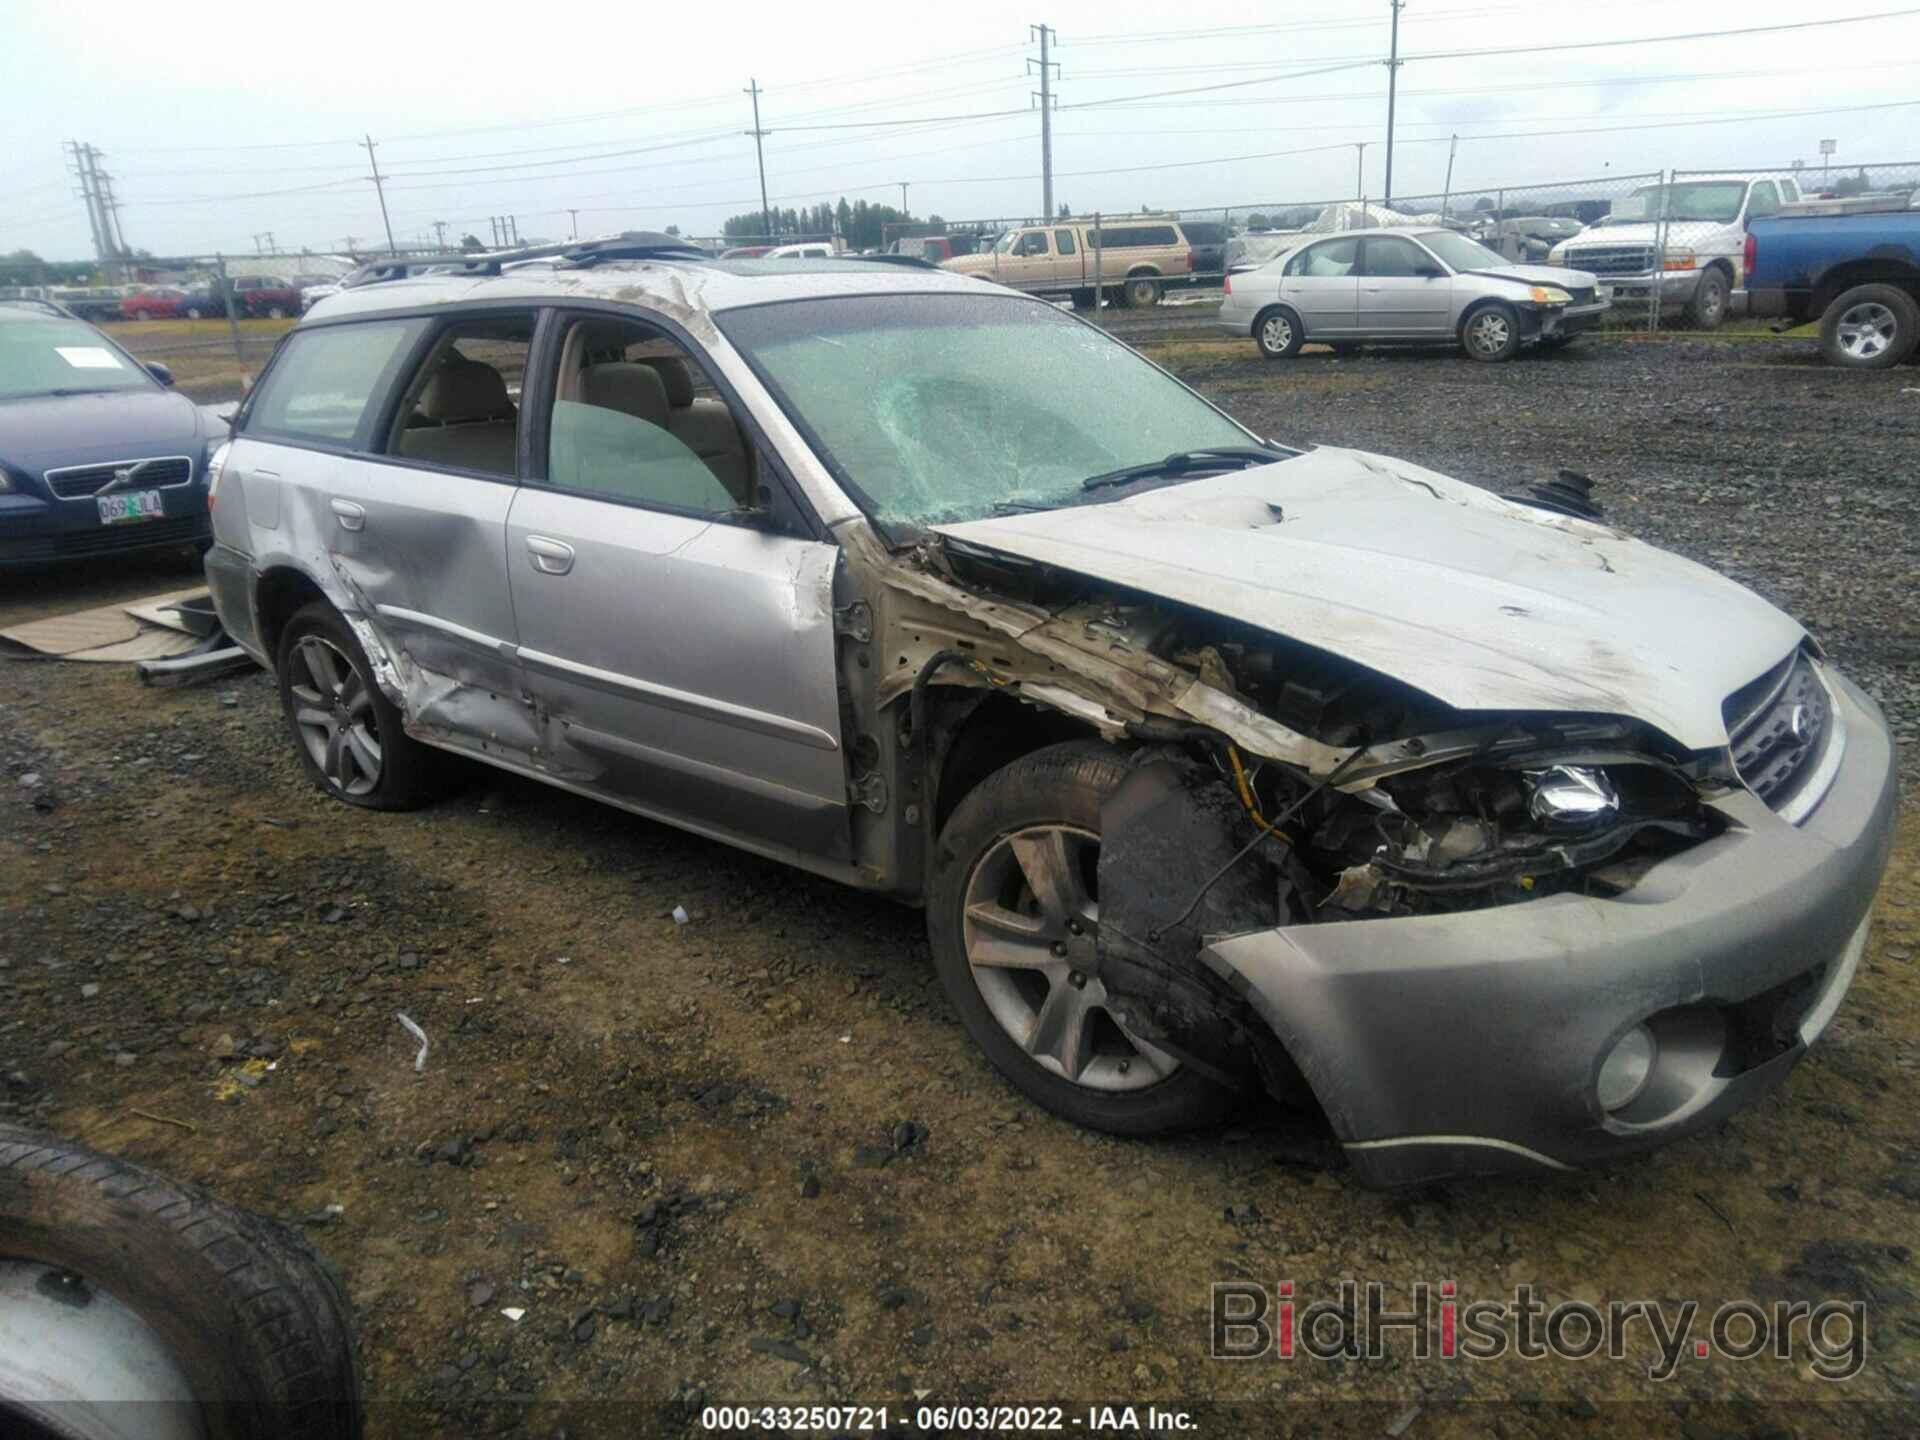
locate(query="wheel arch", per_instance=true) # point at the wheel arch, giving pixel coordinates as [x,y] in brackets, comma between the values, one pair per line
[278,594]
[1903,274]
[1264,311]
[976,734]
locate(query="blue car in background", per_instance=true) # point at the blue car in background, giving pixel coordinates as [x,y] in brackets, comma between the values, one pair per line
[98,454]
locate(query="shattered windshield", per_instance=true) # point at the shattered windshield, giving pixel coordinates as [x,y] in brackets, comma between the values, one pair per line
[933,409]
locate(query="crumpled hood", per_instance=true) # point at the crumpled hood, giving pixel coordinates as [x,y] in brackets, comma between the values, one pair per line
[1565,278]
[1480,602]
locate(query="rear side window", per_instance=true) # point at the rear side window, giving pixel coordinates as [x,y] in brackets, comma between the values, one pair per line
[322,383]
[1129,237]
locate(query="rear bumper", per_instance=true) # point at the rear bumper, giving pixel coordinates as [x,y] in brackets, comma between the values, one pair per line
[37,531]
[1473,1042]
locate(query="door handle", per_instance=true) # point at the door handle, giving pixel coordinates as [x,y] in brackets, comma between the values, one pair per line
[350,515]
[550,557]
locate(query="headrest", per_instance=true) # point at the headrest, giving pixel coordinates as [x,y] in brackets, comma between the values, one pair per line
[676,377]
[463,389]
[627,386]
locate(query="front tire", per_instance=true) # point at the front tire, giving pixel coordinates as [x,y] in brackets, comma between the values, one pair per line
[1014,922]
[346,732]
[1491,333]
[1277,335]
[1708,307]
[1870,327]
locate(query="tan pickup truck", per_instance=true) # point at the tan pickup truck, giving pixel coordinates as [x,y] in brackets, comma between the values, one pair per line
[1131,259]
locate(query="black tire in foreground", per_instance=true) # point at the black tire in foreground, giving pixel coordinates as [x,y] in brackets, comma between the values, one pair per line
[1013,920]
[252,1317]
[1870,327]
[346,732]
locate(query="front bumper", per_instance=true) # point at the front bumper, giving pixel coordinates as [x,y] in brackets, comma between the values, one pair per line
[1631,292]
[1571,319]
[36,530]
[1472,1042]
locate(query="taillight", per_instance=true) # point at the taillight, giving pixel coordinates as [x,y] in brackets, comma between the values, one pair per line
[1227,284]
[1749,251]
[1193,261]
[215,465]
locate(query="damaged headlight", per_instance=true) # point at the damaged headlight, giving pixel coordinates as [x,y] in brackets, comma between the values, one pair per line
[1571,797]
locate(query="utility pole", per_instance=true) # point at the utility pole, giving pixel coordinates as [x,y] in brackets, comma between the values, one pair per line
[1447,194]
[574,215]
[83,174]
[440,234]
[1047,67]
[904,212]
[1360,170]
[1393,75]
[381,190]
[513,226]
[760,156]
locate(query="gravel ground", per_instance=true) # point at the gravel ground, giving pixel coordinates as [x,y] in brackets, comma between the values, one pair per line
[754,1158]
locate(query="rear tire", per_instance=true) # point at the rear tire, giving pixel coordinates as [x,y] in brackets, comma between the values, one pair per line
[1708,307]
[1141,292]
[276,312]
[1052,796]
[1277,334]
[346,732]
[254,1320]
[1870,327]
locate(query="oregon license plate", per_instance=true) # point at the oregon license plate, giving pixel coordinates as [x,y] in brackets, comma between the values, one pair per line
[130,505]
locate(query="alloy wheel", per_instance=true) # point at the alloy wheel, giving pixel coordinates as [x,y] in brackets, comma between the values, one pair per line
[1031,924]
[333,708]
[1276,334]
[1489,332]
[1867,329]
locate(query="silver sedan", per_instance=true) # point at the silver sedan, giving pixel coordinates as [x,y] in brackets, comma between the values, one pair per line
[1406,285]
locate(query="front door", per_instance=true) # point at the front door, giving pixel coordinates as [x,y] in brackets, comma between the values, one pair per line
[1404,291]
[1322,285]
[1029,264]
[679,647]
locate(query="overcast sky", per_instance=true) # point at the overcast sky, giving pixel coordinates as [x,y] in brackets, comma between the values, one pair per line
[634,113]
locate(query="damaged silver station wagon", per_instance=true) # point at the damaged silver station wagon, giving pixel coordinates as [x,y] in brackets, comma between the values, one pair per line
[1221,768]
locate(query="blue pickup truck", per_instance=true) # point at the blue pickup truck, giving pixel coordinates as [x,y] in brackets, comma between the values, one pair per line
[1854,264]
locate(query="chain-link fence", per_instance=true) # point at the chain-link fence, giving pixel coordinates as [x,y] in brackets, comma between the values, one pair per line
[1668,245]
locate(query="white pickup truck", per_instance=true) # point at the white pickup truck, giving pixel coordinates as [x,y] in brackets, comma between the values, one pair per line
[1699,269]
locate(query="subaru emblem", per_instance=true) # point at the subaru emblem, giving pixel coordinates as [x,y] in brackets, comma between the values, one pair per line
[1800,724]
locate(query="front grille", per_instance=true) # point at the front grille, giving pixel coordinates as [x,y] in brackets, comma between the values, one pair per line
[1612,259]
[81,482]
[1582,295]
[1780,727]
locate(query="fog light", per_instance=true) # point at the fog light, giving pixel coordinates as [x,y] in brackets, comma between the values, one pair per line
[1572,796]
[1625,1071]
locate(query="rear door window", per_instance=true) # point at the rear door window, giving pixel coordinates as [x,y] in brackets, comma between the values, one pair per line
[324,381]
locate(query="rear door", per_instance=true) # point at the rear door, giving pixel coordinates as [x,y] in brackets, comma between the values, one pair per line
[678,646]
[386,467]
[1322,284]
[1404,291]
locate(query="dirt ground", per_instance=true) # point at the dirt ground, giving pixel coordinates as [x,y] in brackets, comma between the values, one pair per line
[753,1159]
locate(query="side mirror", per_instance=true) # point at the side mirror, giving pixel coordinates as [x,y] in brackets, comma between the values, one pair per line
[161,373]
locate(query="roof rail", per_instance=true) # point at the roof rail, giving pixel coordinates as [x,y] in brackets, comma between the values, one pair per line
[633,245]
